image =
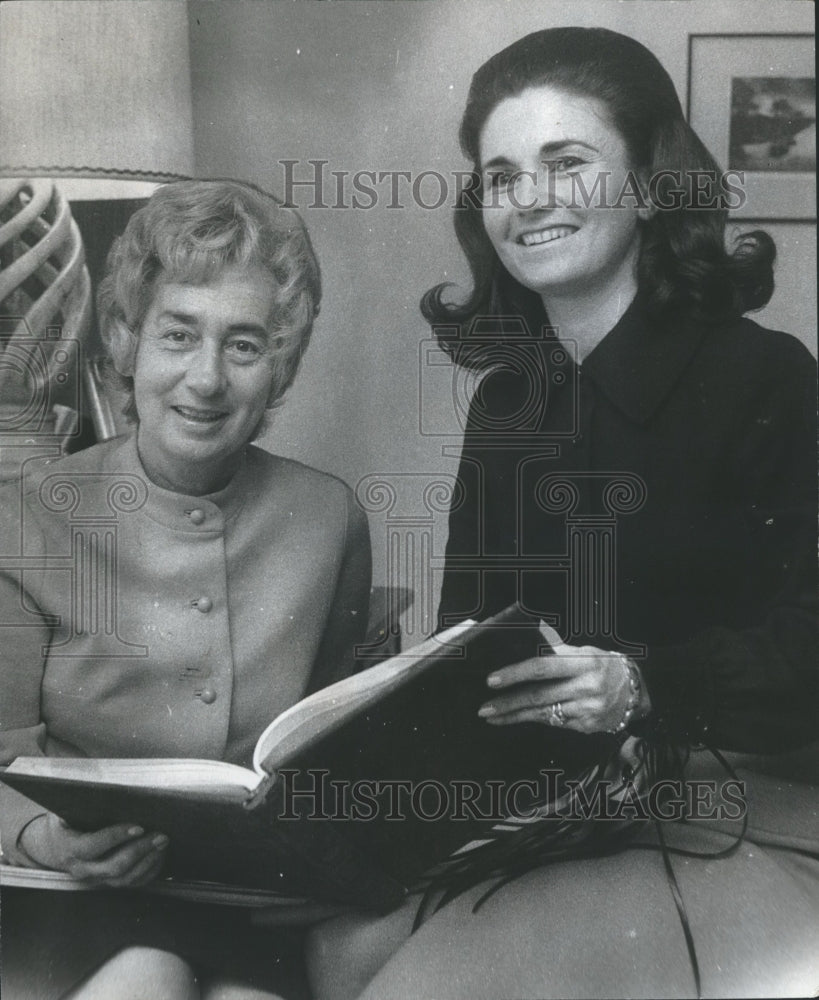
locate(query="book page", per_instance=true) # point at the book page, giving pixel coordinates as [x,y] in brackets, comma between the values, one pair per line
[320,713]
[164,773]
[14,877]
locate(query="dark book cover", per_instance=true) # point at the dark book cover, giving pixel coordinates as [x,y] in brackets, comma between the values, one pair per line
[359,816]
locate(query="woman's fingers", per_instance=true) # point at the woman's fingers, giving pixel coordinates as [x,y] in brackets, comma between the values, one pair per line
[576,715]
[584,681]
[524,715]
[539,668]
[52,843]
[528,697]
[118,866]
[115,855]
[142,872]
[565,662]
[90,846]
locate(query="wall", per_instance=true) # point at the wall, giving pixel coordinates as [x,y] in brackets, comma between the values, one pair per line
[381,86]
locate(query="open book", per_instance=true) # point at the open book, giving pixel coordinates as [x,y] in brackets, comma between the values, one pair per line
[297,729]
[355,791]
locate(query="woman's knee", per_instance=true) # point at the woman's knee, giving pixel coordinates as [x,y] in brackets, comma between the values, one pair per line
[345,952]
[137,972]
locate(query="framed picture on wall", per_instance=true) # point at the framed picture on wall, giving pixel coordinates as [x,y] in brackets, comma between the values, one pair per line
[752,100]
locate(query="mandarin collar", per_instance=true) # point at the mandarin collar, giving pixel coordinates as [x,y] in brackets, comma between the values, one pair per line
[639,361]
[210,512]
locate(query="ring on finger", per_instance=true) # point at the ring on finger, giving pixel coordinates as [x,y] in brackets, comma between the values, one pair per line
[557,717]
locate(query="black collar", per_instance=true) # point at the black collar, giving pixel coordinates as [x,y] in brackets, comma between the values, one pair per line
[639,361]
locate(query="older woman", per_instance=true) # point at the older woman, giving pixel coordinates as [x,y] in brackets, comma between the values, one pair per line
[234,581]
[638,469]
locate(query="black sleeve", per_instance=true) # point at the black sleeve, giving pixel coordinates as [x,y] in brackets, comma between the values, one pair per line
[478,581]
[756,688]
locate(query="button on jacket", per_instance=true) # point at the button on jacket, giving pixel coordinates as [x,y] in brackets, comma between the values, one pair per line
[142,622]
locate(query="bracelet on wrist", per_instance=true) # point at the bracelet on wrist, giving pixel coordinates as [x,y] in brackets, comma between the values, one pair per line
[635,690]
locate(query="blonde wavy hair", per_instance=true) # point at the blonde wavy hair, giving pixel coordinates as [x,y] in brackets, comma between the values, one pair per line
[187,233]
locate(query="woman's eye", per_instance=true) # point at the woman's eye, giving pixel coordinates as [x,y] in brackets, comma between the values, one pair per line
[245,349]
[180,337]
[501,179]
[563,163]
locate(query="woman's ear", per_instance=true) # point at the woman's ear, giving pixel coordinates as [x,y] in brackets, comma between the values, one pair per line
[122,342]
[284,367]
[648,209]
[275,394]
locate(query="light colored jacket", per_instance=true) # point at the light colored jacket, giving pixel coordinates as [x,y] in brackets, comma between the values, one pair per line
[142,622]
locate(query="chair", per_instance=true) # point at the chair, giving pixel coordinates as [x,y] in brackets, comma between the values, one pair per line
[383,638]
[45,314]
[103,401]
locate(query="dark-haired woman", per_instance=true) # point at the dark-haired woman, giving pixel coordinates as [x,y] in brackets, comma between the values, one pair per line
[639,470]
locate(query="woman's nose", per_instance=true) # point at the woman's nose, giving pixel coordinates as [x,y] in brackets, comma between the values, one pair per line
[206,372]
[536,189]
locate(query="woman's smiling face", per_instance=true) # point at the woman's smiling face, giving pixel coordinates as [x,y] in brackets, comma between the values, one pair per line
[203,376]
[539,152]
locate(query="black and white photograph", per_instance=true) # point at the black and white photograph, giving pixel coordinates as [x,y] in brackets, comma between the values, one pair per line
[773,124]
[752,100]
[408,500]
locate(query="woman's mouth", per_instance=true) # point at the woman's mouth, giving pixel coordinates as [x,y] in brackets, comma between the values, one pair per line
[547,235]
[200,416]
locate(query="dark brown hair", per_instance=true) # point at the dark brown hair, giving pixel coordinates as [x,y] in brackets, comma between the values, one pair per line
[683,265]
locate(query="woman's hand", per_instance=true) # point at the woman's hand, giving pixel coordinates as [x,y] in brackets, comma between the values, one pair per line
[579,687]
[116,856]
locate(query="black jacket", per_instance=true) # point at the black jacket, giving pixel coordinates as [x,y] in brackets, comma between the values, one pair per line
[661,500]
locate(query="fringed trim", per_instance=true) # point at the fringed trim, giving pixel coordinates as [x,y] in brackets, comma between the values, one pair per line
[557,833]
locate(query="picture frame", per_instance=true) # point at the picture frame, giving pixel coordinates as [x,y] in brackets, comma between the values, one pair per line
[752,101]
